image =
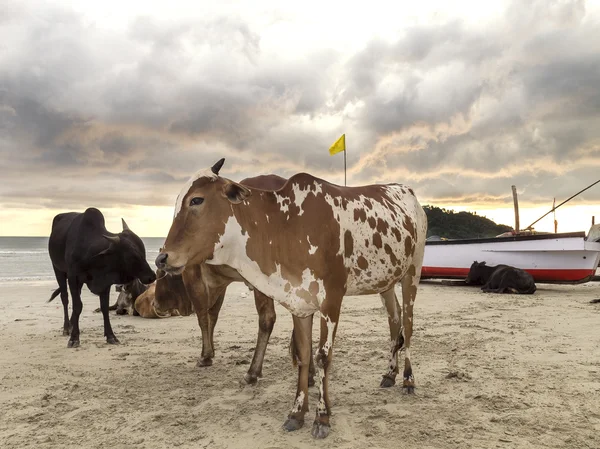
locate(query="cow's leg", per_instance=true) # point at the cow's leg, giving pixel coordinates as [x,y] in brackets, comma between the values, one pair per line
[61,278]
[410,281]
[330,313]
[301,351]
[108,332]
[266,321]
[75,287]
[213,316]
[396,341]
[203,321]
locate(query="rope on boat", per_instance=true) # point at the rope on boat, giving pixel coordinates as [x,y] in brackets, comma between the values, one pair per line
[565,201]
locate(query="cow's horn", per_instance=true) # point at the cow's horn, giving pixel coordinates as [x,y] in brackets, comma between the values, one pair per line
[125,227]
[215,168]
[113,239]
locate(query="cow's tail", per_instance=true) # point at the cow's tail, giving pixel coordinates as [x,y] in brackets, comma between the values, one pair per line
[55,293]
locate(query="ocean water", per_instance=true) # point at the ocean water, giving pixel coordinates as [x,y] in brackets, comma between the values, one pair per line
[27,259]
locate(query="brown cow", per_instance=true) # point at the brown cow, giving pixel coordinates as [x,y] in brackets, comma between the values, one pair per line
[307,245]
[205,286]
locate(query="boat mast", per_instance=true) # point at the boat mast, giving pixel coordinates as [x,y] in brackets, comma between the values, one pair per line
[516,203]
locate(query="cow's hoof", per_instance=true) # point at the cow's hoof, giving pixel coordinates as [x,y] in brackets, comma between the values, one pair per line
[66,332]
[387,382]
[250,379]
[112,340]
[320,430]
[311,380]
[292,424]
[73,344]
[204,362]
[410,389]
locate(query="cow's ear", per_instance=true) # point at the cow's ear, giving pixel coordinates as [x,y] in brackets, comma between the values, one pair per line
[236,193]
[481,264]
[114,240]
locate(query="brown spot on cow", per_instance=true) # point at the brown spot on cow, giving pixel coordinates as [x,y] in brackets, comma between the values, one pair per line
[336,202]
[372,222]
[393,259]
[409,226]
[313,288]
[409,247]
[397,234]
[287,287]
[362,263]
[369,204]
[360,214]
[366,243]
[382,226]
[348,244]
[377,240]
[305,295]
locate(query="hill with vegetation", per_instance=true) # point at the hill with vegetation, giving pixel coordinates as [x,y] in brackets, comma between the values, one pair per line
[460,225]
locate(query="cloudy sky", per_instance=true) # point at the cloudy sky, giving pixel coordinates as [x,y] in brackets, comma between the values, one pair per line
[115,104]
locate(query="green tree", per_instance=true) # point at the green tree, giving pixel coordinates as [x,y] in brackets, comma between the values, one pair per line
[460,225]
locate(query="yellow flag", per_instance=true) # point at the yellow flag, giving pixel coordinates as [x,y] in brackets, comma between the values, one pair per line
[338,146]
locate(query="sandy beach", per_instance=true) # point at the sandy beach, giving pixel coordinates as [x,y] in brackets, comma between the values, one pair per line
[491,371]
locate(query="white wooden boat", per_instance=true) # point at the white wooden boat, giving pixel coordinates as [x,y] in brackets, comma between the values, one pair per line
[566,258]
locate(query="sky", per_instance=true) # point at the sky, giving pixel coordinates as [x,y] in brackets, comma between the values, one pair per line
[115,104]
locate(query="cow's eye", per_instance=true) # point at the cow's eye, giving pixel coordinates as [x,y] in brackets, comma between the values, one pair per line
[196,201]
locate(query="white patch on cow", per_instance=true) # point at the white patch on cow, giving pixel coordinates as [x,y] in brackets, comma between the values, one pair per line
[330,328]
[231,250]
[313,249]
[301,194]
[298,403]
[321,407]
[202,173]
[267,217]
[393,358]
[284,202]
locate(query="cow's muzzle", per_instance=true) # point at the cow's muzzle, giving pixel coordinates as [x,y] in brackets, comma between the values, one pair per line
[163,264]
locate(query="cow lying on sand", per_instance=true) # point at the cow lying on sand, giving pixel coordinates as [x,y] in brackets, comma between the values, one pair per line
[500,279]
[205,286]
[138,299]
[307,245]
[82,251]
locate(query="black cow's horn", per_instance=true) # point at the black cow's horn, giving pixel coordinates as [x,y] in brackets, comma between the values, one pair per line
[112,239]
[215,168]
[125,227]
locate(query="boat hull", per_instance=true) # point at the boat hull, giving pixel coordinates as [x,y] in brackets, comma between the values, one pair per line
[549,258]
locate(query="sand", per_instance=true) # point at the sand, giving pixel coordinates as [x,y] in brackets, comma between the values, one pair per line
[491,371]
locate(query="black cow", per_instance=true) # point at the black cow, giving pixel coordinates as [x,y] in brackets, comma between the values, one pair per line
[501,279]
[84,252]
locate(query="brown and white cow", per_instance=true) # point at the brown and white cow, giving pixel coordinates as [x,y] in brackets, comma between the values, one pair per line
[307,245]
[204,287]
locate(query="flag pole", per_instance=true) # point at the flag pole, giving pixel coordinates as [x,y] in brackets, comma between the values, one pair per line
[344,166]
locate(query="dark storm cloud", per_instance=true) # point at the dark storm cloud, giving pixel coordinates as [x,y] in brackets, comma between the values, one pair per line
[90,115]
